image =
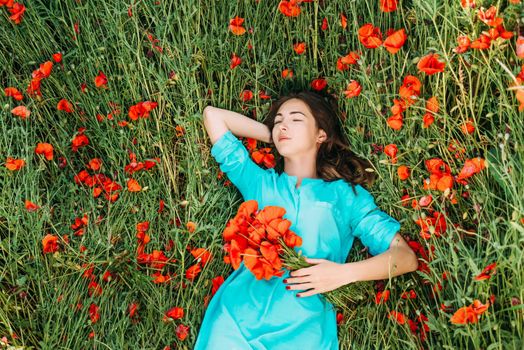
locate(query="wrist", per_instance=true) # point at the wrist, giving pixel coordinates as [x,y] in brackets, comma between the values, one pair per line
[350,273]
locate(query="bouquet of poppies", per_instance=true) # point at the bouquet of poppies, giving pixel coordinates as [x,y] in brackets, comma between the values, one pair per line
[256,237]
[263,240]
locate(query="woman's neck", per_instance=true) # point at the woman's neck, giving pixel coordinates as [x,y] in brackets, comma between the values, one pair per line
[301,169]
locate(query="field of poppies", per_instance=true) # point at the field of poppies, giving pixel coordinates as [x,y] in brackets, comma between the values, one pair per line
[112,208]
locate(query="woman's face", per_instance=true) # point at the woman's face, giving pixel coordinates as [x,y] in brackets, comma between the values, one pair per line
[295,132]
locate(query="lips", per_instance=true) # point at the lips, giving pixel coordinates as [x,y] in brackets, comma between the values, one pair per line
[283,138]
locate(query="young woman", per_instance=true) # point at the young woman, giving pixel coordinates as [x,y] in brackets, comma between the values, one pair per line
[319,181]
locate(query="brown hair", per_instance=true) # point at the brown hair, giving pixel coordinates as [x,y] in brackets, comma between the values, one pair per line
[335,159]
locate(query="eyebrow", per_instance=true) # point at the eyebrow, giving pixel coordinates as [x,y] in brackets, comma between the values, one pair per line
[294,112]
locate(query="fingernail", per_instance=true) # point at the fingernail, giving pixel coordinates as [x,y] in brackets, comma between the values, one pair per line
[298,296]
[285,281]
[287,287]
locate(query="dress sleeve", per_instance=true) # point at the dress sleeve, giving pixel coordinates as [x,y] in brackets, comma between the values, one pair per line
[234,160]
[371,225]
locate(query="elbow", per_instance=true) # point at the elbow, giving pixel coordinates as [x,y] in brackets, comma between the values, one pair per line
[414,262]
[206,111]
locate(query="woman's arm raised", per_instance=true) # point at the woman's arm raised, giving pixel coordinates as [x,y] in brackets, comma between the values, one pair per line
[218,121]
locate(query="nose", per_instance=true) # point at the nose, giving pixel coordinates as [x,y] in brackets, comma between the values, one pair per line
[282,126]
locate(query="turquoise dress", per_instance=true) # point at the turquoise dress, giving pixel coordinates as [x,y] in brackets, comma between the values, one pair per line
[246,313]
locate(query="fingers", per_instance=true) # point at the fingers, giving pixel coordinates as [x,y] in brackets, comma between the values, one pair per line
[301,286]
[308,293]
[298,273]
[291,280]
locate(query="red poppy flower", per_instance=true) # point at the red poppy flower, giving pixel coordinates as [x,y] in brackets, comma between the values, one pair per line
[202,254]
[217,282]
[411,294]
[133,186]
[191,226]
[319,84]
[340,318]
[471,167]
[381,297]
[182,331]
[43,71]
[370,36]
[262,94]
[299,48]
[94,164]
[353,89]
[397,316]
[437,222]
[46,149]
[324,25]
[49,244]
[101,79]
[438,182]
[289,8]
[410,90]
[463,44]
[94,288]
[395,41]
[235,61]
[193,271]
[287,73]
[264,156]
[94,315]
[79,224]
[425,201]
[388,5]
[64,105]
[483,42]
[468,3]
[468,127]
[141,110]
[430,64]
[350,59]
[14,93]
[391,151]
[21,111]
[489,16]
[14,164]
[246,95]
[133,307]
[17,12]
[343,21]
[30,206]
[469,314]
[80,140]
[403,172]
[175,313]
[487,272]
[235,26]
[57,57]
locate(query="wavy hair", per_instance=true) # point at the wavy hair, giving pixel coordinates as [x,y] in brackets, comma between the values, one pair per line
[335,159]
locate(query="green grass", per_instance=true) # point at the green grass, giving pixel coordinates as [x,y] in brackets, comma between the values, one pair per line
[196,48]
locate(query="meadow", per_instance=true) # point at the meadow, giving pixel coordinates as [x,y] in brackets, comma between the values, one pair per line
[112,207]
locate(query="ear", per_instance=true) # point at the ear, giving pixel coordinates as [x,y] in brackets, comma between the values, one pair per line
[322,136]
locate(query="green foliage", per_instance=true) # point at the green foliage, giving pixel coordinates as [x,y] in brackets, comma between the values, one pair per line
[44,298]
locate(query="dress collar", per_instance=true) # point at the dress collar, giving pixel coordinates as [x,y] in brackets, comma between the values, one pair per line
[293,179]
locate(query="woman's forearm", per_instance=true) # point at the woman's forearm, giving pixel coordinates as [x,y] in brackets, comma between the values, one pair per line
[239,124]
[393,262]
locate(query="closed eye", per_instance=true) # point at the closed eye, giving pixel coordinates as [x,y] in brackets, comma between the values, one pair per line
[295,120]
